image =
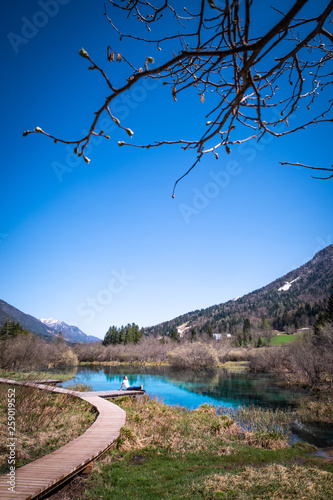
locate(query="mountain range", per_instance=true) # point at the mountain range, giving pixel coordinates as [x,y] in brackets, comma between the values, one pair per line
[288,303]
[45,328]
[70,333]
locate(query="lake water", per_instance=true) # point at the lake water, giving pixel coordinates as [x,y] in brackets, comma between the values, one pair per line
[189,389]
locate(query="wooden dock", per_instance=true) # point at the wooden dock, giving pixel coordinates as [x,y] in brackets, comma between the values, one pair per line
[47,381]
[38,478]
[113,394]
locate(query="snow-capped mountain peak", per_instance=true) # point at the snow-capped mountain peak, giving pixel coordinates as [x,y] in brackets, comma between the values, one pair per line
[50,321]
[70,333]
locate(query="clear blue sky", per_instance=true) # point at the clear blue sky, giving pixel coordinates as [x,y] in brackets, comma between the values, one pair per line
[105,243]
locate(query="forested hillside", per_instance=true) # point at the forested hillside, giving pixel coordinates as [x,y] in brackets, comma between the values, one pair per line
[288,303]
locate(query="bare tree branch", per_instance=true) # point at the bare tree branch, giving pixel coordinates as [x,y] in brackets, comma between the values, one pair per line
[221,50]
[313,168]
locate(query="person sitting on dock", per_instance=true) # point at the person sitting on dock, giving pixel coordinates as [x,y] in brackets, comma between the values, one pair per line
[128,387]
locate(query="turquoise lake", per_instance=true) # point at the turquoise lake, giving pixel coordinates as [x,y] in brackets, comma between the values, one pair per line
[189,389]
[215,387]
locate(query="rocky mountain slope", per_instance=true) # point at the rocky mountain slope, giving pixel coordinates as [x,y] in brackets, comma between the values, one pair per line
[47,329]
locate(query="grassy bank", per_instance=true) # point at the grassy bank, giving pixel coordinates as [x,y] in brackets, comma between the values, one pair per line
[44,421]
[233,366]
[125,363]
[172,453]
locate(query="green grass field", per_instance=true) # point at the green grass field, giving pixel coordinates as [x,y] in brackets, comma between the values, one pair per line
[284,339]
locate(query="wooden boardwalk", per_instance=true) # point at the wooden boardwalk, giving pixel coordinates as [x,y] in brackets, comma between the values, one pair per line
[36,479]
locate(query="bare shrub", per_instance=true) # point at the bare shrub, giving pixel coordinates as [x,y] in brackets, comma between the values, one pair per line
[234,354]
[30,352]
[23,352]
[325,345]
[149,349]
[193,356]
[62,356]
[266,360]
[90,352]
[308,361]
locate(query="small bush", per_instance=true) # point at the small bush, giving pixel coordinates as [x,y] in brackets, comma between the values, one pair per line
[63,356]
[195,356]
[240,354]
[268,359]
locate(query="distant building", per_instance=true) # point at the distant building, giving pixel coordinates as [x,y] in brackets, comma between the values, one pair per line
[217,336]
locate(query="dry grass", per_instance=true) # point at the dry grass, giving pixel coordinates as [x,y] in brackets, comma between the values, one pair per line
[235,366]
[79,387]
[175,429]
[272,482]
[44,421]
[180,431]
[320,410]
[40,376]
[263,428]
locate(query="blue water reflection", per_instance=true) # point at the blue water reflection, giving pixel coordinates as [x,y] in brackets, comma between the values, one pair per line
[190,389]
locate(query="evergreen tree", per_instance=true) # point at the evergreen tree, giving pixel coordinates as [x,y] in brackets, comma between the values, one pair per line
[329,310]
[193,334]
[174,335]
[140,334]
[7,330]
[210,331]
[247,337]
[11,329]
[325,317]
[129,334]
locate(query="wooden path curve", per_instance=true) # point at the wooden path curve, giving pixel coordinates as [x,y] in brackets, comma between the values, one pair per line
[36,479]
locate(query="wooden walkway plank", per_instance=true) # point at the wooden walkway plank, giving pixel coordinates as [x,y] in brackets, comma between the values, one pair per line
[34,480]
